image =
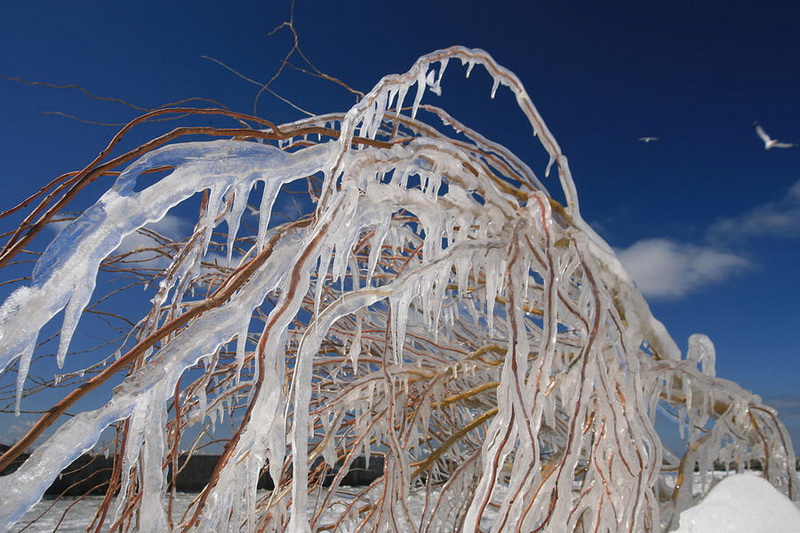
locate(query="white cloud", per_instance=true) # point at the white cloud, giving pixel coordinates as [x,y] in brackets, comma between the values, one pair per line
[666,269]
[171,227]
[774,219]
[15,431]
[663,268]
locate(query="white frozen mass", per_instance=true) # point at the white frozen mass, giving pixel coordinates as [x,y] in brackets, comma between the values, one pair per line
[743,503]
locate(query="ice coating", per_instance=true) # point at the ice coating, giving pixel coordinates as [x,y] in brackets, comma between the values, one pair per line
[165,367]
[65,274]
[437,307]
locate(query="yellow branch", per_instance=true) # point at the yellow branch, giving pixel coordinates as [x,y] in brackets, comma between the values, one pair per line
[423,465]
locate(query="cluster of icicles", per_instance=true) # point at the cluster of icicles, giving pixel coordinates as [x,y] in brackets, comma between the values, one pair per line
[438,308]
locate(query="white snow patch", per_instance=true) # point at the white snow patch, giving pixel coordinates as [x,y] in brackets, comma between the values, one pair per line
[742,503]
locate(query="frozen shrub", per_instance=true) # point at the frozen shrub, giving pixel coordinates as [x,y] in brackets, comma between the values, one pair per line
[436,306]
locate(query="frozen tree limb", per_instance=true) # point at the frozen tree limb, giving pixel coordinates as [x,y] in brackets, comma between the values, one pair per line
[436,306]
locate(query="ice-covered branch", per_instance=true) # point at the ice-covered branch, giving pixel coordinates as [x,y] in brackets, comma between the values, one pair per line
[433,304]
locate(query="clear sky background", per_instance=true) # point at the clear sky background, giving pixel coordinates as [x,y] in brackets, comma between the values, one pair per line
[706,218]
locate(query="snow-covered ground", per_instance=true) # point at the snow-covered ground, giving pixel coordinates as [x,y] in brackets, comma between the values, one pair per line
[743,503]
[740,503]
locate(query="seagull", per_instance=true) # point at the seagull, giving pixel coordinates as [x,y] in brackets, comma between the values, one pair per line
[769,142]
[648,139]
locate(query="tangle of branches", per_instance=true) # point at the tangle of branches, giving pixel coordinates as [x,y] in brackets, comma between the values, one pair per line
[380,282]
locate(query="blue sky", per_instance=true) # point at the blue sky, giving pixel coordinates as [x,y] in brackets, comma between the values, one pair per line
[708,220]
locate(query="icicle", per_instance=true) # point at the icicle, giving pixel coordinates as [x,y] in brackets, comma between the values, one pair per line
[401,96]
[202,403]
[463,265]
[329,429]
[355,346]
[437,299]
[22,373]
[470,66]
[393,91]
[72,314]
[375,247]
[136,430]
[241,346]
[420,91]
[372,121]
[271,189]
[341,256]
[495,85]
[442,67]
[549,165]
[152,515]
[322,275]
[399,307]
[234,215]
[218,415]
[430,81]
[492,272]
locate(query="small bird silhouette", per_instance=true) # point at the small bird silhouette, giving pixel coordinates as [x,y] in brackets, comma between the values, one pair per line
[769,142]
[648,139]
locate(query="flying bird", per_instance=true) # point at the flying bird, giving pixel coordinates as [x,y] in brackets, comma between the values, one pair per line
[769,142]
[648,139]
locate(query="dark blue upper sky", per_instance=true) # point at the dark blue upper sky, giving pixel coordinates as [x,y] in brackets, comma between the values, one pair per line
[705,217]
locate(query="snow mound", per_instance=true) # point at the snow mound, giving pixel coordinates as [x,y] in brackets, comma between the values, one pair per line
[742,503]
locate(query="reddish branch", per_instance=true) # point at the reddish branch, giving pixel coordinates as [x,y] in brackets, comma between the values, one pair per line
[74,182]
